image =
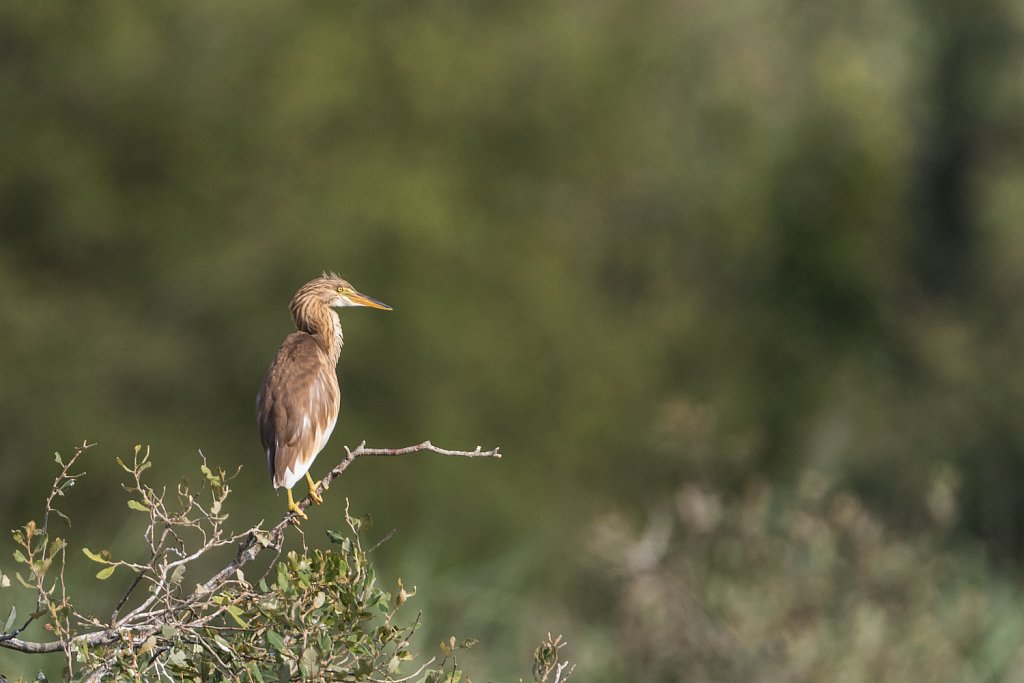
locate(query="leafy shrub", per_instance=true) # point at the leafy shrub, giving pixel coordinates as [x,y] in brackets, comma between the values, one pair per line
[318,614]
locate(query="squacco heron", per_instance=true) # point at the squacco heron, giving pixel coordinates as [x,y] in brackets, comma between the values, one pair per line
[297,406]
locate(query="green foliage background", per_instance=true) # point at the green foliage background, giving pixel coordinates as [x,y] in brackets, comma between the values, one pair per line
[638,245]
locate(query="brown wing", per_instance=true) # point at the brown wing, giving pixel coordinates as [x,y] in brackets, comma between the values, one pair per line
[297,408]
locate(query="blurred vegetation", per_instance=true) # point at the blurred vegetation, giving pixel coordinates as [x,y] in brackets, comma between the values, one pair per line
[642,246]
[801,584]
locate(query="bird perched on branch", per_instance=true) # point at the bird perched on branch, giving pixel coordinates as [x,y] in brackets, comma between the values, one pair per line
[297,406]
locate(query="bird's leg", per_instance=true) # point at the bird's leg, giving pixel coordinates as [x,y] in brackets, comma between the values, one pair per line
[313,495]
[295,508]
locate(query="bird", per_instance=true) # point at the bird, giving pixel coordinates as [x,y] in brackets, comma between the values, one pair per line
[298,404]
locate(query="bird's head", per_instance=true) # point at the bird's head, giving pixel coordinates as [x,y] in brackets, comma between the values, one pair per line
[336,292]
[311,309]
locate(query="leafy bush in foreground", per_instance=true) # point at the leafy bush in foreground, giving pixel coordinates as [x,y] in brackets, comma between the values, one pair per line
[318,614]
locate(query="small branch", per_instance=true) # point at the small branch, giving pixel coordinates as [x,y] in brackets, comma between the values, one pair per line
[361,449]
[561,668]
[31,647]
[131,589]
[411,676]
[18,631]
[63,481]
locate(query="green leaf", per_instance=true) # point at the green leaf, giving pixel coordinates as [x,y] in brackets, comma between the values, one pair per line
[60,514]
[254,672]
[136,505]
[19,557]
[357,523]
[123,466]
[366,521]
[177,658]
[236,613]
[5,581]
[309,663]
[276,641]
[56,459]
[178,574]
[103,556]
[55,547]
[210,476]
[10,619]
[105,573]
[223,644]
[147,645]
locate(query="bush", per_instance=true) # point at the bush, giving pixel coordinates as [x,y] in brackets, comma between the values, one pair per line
[318,614]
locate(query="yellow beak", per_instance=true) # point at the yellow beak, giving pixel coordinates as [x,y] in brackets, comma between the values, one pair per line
[358,299]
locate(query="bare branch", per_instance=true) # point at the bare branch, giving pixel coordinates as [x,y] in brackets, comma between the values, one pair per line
[479,452]
[361,450]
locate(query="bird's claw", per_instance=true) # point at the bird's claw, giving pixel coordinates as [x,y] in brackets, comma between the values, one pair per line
[293,507]
[313,495]
[298,511]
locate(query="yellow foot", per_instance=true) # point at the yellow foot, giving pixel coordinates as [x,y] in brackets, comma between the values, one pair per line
[313,495]
[295,508]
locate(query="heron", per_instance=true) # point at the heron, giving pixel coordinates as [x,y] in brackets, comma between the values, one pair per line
[298,404]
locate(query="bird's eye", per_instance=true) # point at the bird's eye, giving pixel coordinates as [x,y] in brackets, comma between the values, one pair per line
[344,290]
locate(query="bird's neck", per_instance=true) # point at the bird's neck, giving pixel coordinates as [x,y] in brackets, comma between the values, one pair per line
[325,327]
[335,337]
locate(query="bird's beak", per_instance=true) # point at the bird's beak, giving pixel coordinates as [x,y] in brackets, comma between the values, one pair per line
[358,299]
